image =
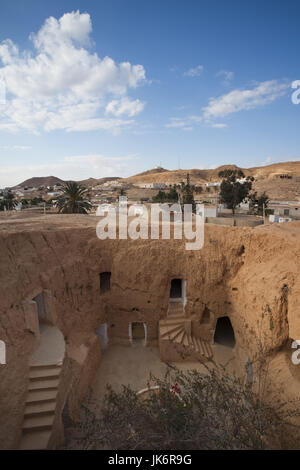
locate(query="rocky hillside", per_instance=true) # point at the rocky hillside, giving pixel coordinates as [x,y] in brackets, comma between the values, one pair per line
[38,181]
[267,178]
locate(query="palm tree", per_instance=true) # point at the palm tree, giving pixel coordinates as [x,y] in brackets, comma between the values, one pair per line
[9,202]
[72,200]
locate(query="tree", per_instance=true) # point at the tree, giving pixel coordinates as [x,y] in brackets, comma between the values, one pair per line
[122,192]
[36,200]
[258,203]
[9,201]
[72,201]
[233,192]
[187,194]
[187,410]
[198,189]
[170,196]
[159,197]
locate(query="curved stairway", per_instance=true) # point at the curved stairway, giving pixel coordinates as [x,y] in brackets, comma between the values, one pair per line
[177,328]
[40,406]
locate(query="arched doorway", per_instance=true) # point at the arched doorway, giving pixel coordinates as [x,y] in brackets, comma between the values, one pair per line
[177,290]
[224,333]
[138,333]
[51,347]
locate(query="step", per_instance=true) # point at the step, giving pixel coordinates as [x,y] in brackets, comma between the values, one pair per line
[179,338]
[200,347]
[203,347]
[169,329]
[179,334]
[178,311]
[35,440]
[172,320]
[175,305]
[34,396]
[208,349]
[38,365]
[188,326]
[194,344]
[46,372]
[50,383]
[175,311]
[189,337]
[40,408]
[172,336]
[38,423]
[185,341]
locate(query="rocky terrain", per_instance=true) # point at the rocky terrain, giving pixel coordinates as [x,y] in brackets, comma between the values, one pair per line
[267,178]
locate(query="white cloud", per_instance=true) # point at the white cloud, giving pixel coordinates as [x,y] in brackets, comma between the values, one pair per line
[232,102]
[227,76]
[124,106]
[76,167]
[239,100]
[218,125]
[186,123]
[177,123]
[16,147]
[62,84]
[194,72]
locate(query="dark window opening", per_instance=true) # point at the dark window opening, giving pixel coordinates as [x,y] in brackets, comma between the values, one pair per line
[224,333]
[104,282]
[41,309]
[176,289]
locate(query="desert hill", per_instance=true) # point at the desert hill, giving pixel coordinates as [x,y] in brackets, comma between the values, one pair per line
[267,178]
[95,181]
[37,181]
[201,176]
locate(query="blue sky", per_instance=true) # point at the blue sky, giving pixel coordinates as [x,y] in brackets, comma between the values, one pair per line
[114,87]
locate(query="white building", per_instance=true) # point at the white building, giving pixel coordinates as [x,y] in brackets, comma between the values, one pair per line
[151,185]
[285,208]
[209,211]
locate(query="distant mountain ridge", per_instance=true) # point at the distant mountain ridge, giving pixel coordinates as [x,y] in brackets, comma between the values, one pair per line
[161,175]
[267,178]
[38,181]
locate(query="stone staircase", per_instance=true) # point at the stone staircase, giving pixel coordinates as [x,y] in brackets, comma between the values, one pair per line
[40,406]
[177,329]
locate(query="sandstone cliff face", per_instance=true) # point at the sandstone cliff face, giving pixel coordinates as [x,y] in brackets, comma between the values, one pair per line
[250,275]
